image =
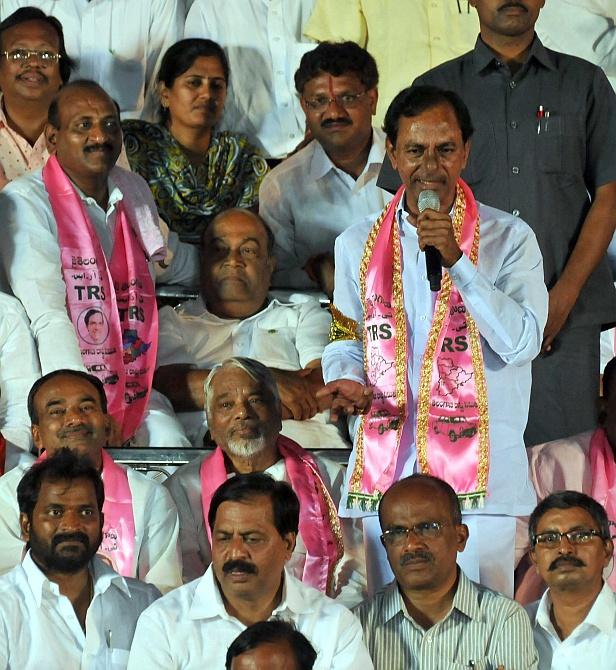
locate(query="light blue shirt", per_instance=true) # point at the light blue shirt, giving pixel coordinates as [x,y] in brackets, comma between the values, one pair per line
[506,296]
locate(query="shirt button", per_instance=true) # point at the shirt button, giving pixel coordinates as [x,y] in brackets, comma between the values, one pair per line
[512,84]
[516,212]
[515,169]
[514,124]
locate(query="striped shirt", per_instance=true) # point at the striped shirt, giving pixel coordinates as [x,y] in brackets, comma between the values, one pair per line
[484,629]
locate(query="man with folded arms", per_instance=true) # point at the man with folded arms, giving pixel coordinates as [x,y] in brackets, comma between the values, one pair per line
[68,409]
[254,522]
[64,607]
[83,234]
[574,623]
[244,411]
[432,616]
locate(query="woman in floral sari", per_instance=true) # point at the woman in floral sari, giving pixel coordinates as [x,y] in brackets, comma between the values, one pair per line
[193,171]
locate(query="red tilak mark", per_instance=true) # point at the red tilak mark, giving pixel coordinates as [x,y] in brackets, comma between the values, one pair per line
[330,81]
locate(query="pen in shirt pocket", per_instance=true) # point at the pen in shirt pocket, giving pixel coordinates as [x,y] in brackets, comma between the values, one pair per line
[108,637]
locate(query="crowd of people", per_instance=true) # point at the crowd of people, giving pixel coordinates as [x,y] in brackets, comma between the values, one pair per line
[392,221]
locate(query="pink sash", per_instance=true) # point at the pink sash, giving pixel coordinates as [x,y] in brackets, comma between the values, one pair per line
[603,469]
[118,545]
[117,300]
[2,454]
[452,420]
[319,525]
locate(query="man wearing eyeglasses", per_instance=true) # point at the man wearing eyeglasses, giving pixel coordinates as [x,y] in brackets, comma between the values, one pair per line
[314,195]
[432,615]
[33,66]
[574,623]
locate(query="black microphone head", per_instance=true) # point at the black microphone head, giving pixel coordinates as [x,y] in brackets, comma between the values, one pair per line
[428,200]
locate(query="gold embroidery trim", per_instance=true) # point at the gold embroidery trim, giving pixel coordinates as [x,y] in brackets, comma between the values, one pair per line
[342,327]
[423,401]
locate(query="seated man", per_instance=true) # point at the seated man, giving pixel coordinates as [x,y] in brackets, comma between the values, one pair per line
[33,67]
[270,645]
[244,410]
[19,369]
[66,221]
[68,409]
[574,623]
[254,522]
[64,607]
[235,317]
[432,615]
[584,463]
[311,197]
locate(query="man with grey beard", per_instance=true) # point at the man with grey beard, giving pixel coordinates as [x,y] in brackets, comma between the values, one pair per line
[244,416]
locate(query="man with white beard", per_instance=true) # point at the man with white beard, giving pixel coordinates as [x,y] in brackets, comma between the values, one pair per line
[244,417]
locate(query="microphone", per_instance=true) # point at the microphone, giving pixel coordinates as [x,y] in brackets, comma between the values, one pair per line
[434,265]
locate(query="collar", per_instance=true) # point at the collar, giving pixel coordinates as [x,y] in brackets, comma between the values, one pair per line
[198,308]
[321,164]
[115,195]
[464,600]
[602,615]
[483,56]
[103,577]
[207,602]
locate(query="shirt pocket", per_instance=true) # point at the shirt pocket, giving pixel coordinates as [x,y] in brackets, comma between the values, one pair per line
[116,659]
[475,664]
[560,144]
[275,347]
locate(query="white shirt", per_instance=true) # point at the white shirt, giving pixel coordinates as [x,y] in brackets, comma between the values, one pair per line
[263,43]
[117,43]
[307,202]
[287,336]
[156,556]
[591,644]
[583,28]
[507,298]
[190,629]
[39,628]
[19,369]
[185,488]
[31,263]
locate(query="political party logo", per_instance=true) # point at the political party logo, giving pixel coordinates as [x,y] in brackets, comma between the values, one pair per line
[133,346]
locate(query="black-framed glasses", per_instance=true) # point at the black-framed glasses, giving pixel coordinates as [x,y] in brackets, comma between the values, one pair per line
[23,55]
[396,537]
[347,100]
[552,538]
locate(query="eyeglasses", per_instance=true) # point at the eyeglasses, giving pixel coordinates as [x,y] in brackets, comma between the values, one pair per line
[396,537]
[23,55]
[347,100]
[552,538]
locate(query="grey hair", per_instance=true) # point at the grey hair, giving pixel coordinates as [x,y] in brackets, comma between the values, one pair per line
[255,370]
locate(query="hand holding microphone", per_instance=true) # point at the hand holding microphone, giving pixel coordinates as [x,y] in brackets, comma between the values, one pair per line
[436,237]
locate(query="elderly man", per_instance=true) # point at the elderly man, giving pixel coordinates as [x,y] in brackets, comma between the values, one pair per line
[235,317]
[83,235]
[254,523]
[68,409]
[263,42]
[311,197]
[425,31]
[433,615]
[438,365]
[64,607]
[270,645]
[33,66]
[117,43]
[545,150]
[244,410]
[574,623]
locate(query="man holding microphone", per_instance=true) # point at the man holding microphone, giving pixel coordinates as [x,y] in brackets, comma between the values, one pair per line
[440,378]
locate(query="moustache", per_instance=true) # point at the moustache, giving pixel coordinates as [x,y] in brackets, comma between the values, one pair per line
[331,122]
[97,147]
[241,566]
[561,560]
[81,429]
[70,537]
[414,555]
[516,5]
